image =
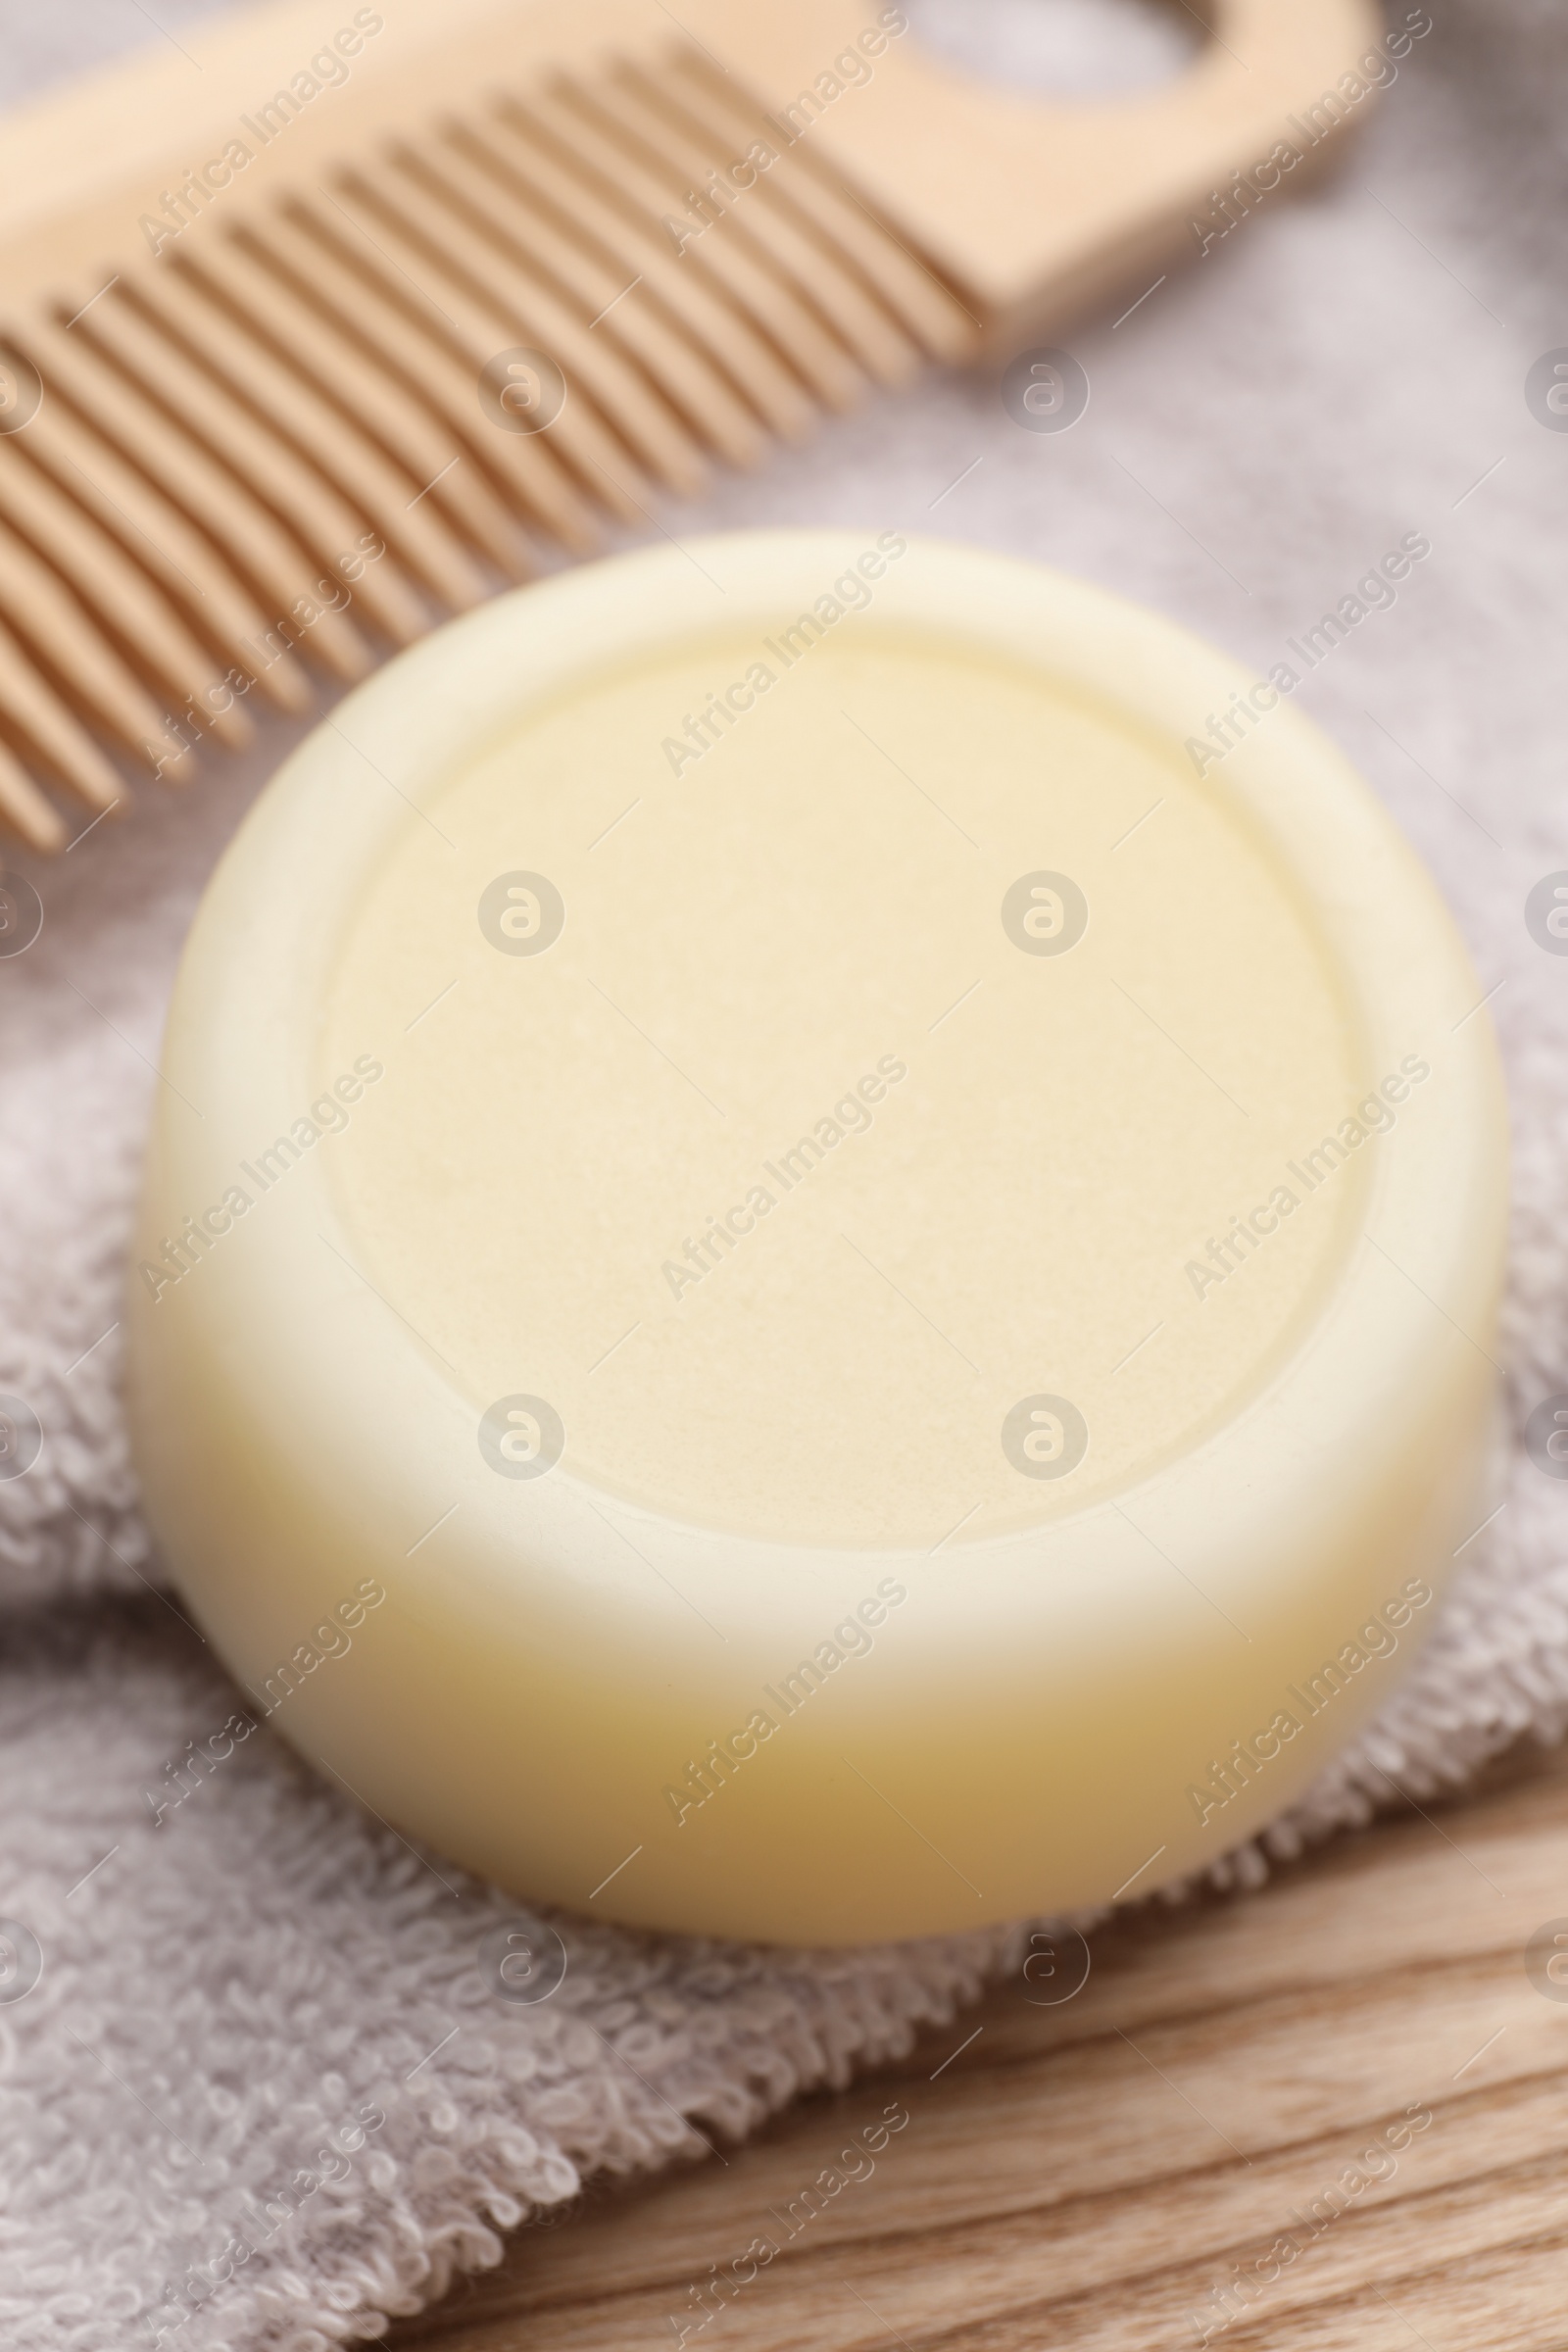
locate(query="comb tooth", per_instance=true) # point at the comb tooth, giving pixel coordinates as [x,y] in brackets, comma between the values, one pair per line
[128,607]
[523,147]
[323,521]
[774,306]
[35,816]
[157,540]
[604,306]
[406,344]
[928,308]
[182,473]
[413,434]
[34,713]
[484,325]
[250,375]
[62,636]
[654,109]
[627,401]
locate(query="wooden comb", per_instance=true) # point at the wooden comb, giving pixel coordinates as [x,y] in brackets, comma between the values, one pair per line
[307,341]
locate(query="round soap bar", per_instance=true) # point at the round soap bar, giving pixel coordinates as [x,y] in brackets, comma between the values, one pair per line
[820,1253]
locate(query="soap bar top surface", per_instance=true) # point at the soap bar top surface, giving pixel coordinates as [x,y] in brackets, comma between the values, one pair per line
[783,1130]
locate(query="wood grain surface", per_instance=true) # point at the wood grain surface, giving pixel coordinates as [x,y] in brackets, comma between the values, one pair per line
[1236,2092]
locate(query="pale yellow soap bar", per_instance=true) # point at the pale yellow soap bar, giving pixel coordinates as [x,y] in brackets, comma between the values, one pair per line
[792,1283]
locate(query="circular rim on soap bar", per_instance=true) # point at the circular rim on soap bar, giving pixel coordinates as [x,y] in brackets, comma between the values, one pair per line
[515,1668]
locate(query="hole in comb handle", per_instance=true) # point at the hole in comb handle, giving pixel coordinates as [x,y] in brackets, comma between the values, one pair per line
[1065,48]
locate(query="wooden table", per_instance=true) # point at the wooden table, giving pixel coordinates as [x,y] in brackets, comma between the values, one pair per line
[1087,2175]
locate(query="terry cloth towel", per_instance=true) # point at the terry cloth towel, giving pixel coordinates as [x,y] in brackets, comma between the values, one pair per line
[257,2087]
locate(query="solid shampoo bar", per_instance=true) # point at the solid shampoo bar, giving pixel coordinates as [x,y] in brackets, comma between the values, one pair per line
[796,1278]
